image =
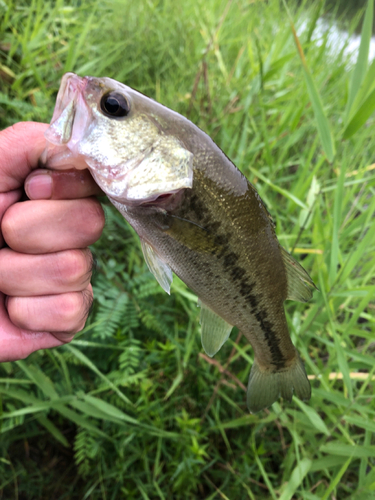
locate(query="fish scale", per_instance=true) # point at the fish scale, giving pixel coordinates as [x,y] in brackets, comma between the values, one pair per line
[196,215]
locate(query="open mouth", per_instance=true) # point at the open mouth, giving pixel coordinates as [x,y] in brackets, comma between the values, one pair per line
[70,120]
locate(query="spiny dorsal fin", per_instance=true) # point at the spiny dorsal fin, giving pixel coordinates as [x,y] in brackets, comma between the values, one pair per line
[299,282]
[215,330]
[159,268]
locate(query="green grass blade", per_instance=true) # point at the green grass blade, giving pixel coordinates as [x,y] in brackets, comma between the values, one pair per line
[39,378]
[336,480]
[278,189]
[362,60]
[263,472]
[77,43]
[108,409]
[365,89]
[347,450]
[368,425]
[327,462]
[53,430]
[313,416]
[80,420]
[296,478]
[343,364]
[364,461]
[361,116]
[335,245]
[84,359]
[322,122]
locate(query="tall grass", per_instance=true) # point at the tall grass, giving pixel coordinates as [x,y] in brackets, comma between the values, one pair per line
[132,408]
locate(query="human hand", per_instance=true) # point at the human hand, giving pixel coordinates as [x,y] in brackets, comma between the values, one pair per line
[45,291]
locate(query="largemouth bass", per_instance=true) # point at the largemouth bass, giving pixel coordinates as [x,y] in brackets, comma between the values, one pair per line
[196,215]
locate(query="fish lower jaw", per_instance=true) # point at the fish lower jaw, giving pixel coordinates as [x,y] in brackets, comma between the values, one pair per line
[61,158]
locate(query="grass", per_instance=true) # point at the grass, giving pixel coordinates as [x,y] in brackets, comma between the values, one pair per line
[132,408]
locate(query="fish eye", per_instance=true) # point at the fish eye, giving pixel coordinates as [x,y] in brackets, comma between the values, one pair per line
[114,105]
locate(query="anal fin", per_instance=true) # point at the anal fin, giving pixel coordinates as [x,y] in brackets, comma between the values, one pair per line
[215,330]
[161,270]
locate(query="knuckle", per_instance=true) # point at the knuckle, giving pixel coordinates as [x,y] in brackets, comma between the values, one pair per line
[94,219]
[13,132]
[7,199]
[75,308]
[77,267]
[7,267]
[9,224]
[66,337]
[70,307]
[16,129]
[19,312]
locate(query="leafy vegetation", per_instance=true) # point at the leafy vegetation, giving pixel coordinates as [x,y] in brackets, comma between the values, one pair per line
[132,408]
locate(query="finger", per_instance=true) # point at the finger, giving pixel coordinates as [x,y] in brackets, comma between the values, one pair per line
[60,184]
[24,275]
[63,315]
[46,226]
[20,148]
[16,343]
[6,200]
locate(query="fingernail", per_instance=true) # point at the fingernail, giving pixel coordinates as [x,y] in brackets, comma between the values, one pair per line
[39,186]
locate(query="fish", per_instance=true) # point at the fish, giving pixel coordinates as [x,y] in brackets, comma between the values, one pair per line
[196,215]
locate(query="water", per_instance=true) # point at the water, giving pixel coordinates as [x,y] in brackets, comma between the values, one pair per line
[345,9]
[339,39]
[338,36]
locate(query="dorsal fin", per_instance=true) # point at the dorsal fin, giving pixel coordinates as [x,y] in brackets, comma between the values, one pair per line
[299,282]
[215,330]
[161,270]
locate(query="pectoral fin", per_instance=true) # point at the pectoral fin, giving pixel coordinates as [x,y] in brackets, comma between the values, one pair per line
[215,330]
[157,266]
[191,234]
[299,282]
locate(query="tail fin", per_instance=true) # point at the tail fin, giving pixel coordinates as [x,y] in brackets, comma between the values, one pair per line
[265,387]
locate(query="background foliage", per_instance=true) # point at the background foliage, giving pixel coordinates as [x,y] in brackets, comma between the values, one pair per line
[132,408]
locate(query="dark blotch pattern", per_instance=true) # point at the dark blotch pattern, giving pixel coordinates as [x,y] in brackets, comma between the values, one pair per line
[197,206]
[278,359]
[238,274]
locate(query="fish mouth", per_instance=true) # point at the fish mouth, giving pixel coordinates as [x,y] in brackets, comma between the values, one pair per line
[71,85]
[70,119]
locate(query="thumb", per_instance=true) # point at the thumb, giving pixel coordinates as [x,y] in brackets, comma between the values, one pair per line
[20,148]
